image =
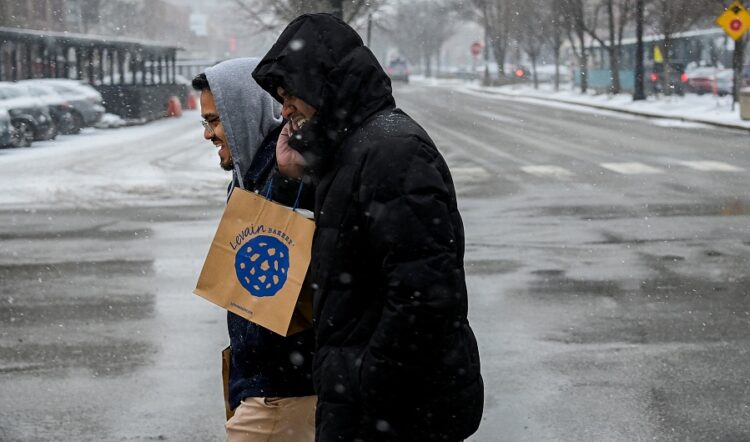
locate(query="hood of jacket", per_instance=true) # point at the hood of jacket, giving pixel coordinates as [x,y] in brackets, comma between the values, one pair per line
[323,61]
[248,113]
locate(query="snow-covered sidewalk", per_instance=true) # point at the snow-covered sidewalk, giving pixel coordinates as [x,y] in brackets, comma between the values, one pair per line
[694,108]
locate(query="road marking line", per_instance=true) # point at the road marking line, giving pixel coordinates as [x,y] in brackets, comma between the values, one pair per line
[708,166]
[450,133]
[469,173]
[631,168]
[542,171]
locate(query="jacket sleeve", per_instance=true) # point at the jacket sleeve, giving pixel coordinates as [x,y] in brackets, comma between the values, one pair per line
[411,224]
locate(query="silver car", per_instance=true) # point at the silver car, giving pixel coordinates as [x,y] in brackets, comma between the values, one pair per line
[86,101]
[60,110]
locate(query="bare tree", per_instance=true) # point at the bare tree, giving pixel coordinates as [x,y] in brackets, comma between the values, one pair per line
[620,16]
[555,35]
[420,28]
[496,16]
[401,31]
[580,17]
[639,93]
[668,18]
[533,16]
[270,15]
[619,13]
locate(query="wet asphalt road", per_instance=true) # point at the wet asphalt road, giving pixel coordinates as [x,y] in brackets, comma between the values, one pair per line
[607,263]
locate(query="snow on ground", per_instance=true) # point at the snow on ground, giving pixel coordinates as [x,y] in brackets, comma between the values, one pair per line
[164,162]
[685,111]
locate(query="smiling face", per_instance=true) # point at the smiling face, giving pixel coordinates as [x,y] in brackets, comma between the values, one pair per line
[213,129]
[294,109]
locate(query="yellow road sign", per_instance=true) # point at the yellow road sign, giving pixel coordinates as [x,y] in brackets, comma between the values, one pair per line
[735,20]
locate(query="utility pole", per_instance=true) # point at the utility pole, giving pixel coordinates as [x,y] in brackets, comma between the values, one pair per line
[639,93]
[737,64]
[337,7]
[486,80]
[369,30]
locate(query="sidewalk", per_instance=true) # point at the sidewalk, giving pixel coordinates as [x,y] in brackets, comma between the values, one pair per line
[692,108]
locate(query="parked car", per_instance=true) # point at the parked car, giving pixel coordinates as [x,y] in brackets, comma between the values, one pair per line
[60,110]
[712,80]
[398,70]
[6,128]
[29,116]
[701,80]
[86,101]
[677,80]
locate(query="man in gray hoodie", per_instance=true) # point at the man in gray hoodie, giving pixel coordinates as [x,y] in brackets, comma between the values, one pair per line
[270,382]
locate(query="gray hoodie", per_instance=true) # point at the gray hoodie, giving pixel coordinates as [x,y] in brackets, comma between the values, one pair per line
[248,113]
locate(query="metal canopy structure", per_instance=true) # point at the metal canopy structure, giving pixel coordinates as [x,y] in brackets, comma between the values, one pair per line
[98,60]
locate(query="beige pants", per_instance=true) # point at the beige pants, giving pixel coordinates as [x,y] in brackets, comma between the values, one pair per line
[273,419]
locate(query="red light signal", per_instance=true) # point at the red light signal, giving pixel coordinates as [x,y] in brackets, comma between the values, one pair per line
[476,48]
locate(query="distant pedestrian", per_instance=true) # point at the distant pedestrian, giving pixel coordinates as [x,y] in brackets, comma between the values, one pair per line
[395,358]
[270,386]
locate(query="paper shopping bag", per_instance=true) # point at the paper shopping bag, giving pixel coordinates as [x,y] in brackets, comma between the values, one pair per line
[257,263]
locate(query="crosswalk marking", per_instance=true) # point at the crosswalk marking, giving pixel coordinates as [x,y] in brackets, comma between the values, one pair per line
[709,166]
[633,168]
[542,171]
[476,173]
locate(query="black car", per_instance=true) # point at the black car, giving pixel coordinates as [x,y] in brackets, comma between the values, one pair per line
[398,70]
[30,118]
[677,81]
[87,103]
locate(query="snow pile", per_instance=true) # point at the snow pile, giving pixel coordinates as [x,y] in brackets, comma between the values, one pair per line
[690,107]
[110,121]
[165,162]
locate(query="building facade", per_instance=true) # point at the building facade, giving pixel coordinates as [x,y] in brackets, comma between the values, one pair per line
[43,15]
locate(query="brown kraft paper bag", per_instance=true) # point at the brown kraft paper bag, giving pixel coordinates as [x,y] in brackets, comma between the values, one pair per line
[257,263]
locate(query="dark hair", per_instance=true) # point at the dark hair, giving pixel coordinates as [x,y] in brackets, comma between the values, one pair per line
[200,82]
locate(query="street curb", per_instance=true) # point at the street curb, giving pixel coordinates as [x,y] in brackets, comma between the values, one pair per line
[623,111]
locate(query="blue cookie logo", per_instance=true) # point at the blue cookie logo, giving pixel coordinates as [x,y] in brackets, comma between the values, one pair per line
[262,265]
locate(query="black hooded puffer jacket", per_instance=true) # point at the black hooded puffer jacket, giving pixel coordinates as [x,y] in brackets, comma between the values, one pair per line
[395,358]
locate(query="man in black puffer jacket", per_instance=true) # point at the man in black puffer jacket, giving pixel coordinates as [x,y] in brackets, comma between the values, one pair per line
[395,357]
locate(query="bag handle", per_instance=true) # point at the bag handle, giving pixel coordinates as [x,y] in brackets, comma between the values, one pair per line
[269,192]
[299,194]
[269,188]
